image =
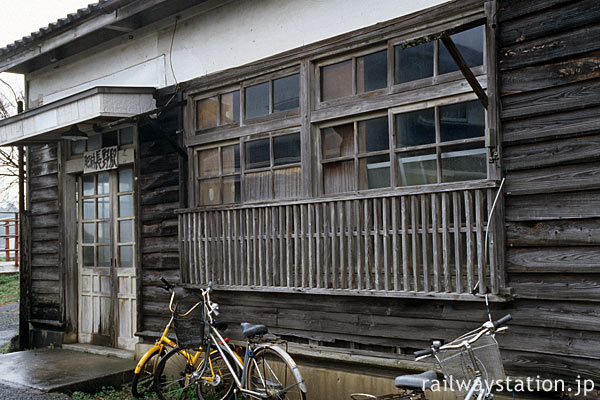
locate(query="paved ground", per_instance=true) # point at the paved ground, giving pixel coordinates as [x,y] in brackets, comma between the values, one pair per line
[9,322]
[22,393]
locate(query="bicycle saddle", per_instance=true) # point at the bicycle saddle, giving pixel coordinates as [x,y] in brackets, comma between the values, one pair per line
[421,381]
[249,330]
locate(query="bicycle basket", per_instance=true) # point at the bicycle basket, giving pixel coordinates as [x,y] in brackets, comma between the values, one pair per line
[189,329]
[458,367]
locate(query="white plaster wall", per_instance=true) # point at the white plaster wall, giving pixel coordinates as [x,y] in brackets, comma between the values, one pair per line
[227,35]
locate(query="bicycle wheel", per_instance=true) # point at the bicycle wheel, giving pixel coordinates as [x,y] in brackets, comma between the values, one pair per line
[173,378]
[142,381]
[217,382]
[273,373]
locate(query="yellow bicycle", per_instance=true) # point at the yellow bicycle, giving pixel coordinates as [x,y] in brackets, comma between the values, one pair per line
[184,357]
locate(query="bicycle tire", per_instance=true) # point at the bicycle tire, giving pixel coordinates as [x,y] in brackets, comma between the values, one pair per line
[217,367]
[273,373]
[173,379]
[143,382]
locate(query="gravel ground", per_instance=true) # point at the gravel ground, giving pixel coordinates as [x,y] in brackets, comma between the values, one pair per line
[9,322]
[21,393]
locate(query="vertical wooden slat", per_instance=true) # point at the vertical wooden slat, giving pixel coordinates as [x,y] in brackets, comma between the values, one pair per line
[376,244]
[281,247]
[415,242]
[255,251]
[405,258]
[350,248]
[469,239]
[230,258]
[326,246]
[275,235]
[224,255]
[395,244]
[342,244]
[386,246]
[425,212]
[236,248]
[358,217]
[297,252]
[189,235]
[288,247]
[435,243]
[304,244]
[334,247]
[193,275]
[261,259]
[492,247]
[480,238]
[268,259]
[368,248]
[456,205]
[318,252]
[182,240]
[248,247]
[311,245]
[446,241]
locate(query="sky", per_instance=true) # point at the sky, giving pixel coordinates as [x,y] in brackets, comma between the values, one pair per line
[20,18]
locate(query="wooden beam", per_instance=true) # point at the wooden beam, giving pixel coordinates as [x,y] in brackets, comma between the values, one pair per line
[466,71]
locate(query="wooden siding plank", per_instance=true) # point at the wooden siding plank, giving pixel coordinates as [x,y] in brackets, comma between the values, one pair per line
[395,246]
[539,207]
[470,245]
[554,179]
[575,260]
[457,224]
[584,232]
[446,241]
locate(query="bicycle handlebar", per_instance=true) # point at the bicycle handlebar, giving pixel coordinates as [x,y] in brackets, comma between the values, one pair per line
[168,286]
[502,321]
[424,352]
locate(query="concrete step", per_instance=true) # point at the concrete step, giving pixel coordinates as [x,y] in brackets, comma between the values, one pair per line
[100,350]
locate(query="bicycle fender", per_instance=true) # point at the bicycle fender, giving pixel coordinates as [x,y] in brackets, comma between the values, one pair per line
[288,359]
[145,358]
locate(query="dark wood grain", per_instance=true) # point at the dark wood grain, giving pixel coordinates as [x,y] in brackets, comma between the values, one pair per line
[584,232]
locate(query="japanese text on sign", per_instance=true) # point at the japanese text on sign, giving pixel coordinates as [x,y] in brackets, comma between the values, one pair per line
[101,159]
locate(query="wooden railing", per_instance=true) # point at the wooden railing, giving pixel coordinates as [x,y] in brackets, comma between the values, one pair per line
[393,244]
[9,234]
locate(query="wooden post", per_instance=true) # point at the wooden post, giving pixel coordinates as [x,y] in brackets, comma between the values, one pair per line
[17,239]
[7,239]
[24,267]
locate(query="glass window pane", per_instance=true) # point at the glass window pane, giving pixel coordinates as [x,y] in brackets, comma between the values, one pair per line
[415,128]
[126,206]
[103,232]
[257,100]
[286,93]
[88,185]
[206,113]
[88,256]
[126,136]
[417,168]
[470,45]
[337,141]
[109,139]
[103,256]
[103,183]
[126,231]
[336,80]
[462,121]
[78,147]
[258,154]
[231,189]
[374,172]
[231,159]
[463,163]
[286,149]
[103,207]
[89,232]
[126,256]
[338,177]
[89,209]
[287,183]
[210,192]
[230,107]
[94,142]
[371,72]
[373,135]
[413,63]
[258,186]
[126,180]
[208,162]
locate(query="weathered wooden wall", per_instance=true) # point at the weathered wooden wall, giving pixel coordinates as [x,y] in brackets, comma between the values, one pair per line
[161,184]
[549,68]
[46,272]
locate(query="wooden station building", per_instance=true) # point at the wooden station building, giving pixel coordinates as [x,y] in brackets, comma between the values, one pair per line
[330,166]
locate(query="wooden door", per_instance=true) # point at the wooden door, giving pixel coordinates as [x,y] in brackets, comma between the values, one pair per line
[107,281]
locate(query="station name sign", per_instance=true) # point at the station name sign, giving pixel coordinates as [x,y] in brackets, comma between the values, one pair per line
[101,160]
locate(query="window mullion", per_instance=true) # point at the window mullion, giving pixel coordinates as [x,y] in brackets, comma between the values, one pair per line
[438,150]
